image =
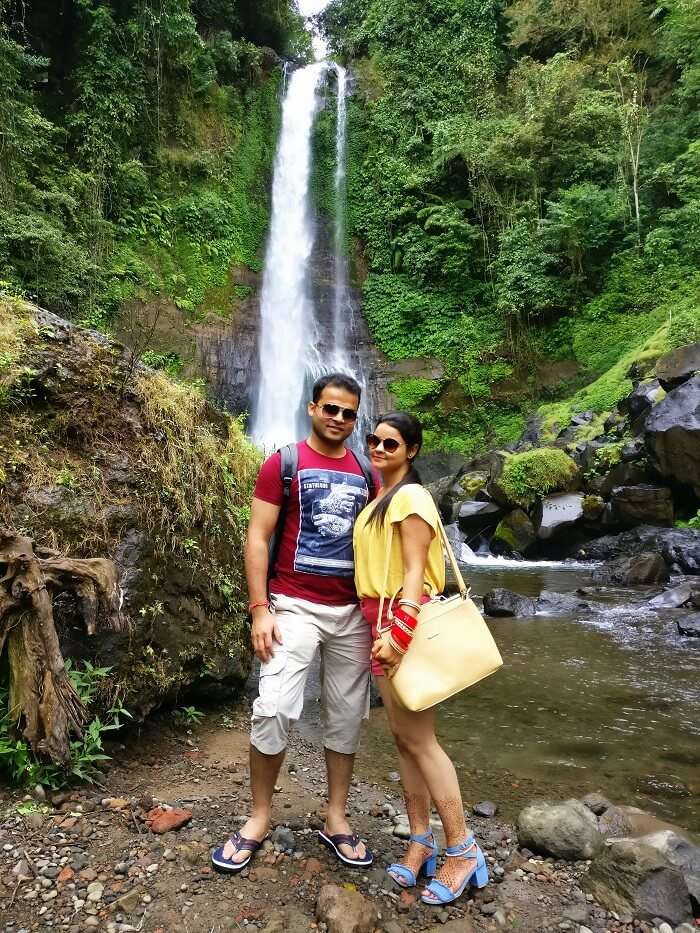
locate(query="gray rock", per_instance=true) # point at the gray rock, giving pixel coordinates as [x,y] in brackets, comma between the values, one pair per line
[679,547]
[502,602]
[675,367]
[674,598]
[283,837]
[682,854]
[394,777]
[673,435]
[402,830]
[641,398]
[596,803]
[478,516]
[690,625]
[566,830]
[485,808]
[641,569]
[557,513]
[642,505]
[629,877]
[559,604]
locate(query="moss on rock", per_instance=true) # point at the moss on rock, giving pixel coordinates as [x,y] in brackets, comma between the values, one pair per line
[531,475]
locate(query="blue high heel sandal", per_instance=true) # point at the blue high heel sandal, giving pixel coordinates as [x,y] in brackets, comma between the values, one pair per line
[407,879]
[478,877]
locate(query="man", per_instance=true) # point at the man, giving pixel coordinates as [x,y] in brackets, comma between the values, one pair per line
[312,606]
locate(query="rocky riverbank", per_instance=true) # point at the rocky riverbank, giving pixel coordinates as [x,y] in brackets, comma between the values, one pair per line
[92,859]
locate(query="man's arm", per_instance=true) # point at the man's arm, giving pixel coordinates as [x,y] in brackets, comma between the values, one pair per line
[263,521]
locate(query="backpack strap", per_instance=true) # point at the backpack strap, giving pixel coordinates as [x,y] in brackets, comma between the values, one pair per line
[289,464]
[368,473]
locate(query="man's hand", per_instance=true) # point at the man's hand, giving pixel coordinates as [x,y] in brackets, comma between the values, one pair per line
[388,657]
[264,633]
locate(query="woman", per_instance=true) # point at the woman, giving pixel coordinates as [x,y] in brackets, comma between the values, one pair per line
[405,509]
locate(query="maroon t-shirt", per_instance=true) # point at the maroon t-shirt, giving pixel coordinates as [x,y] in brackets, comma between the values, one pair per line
[315,558]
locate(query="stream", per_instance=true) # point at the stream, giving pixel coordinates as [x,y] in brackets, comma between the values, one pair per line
[605,700]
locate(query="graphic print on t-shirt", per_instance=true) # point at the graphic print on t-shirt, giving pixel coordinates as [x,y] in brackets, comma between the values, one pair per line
[329,503]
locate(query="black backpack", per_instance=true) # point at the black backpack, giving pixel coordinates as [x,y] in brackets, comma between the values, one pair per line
[289,464]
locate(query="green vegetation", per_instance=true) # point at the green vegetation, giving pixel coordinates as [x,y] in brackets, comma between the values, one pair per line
[524,188]
[136,147]
[20,765]
[528,476]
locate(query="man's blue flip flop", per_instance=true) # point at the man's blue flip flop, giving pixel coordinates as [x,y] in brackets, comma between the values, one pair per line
[342,839]
[241,844]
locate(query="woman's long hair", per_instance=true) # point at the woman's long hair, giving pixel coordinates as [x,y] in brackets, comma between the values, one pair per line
[409,427]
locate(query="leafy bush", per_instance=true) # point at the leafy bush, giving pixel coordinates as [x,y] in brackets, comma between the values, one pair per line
[20,765]
[531,475]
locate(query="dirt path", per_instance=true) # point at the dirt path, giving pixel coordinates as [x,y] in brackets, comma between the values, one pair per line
[89,862]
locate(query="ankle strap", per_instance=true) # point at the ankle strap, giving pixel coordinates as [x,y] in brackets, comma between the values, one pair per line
[425,839]
[461,847]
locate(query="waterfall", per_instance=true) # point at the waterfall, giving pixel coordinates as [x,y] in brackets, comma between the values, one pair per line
[286,312]
[296,346]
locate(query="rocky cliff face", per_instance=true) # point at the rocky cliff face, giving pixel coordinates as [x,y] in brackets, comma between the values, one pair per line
[100,457]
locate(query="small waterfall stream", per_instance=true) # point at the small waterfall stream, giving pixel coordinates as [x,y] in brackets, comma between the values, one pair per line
[295,346]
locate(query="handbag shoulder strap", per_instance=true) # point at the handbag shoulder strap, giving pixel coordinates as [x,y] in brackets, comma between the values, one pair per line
[461,585]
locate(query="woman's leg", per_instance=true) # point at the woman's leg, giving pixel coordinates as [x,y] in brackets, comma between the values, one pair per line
[416,794]
[420,749]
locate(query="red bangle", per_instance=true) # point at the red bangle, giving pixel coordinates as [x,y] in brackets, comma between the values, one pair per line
[405,617]
[261,602]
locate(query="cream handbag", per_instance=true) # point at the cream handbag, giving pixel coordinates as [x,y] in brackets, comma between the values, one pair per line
[452,647]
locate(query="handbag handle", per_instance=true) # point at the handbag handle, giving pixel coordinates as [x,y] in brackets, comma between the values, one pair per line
[464,590]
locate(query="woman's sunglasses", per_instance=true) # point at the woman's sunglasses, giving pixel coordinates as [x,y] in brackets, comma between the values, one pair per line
[332,411]
[390,444]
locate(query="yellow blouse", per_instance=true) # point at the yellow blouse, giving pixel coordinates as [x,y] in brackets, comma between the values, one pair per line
[369,542]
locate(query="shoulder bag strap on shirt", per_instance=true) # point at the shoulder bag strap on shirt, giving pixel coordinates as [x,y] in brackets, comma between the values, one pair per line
[461,585]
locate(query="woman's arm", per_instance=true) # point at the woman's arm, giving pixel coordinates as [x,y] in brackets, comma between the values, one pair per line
[416,535]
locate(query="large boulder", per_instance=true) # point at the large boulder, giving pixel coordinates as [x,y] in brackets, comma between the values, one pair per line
[622,474]
[641,398]
[478,517]
[514,533]
[673,435]
[502,602]
[642,505]
[682,853]
[119,462]
[679,547]
[674,598]
[557,513]
[676,367]
[621,821]
[559,604]
[566,830]
[640,570]
[630,877]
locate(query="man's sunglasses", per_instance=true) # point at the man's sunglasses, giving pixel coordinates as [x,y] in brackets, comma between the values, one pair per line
[332,411]
[390,444]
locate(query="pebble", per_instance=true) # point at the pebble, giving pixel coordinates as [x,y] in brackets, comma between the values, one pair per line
[665,928]
[95,890]
[394,777]
[485,808]
[402,830]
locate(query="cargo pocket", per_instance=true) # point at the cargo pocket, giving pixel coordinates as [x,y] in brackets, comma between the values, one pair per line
[270,687]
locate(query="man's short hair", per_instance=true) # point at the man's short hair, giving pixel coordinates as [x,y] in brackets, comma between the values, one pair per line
[338,381]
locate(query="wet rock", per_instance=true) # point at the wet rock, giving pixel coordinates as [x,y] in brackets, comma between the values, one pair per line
[566,830]
[618,821]
[514,533]
[596,803]
[635,879]
[673,435]
[502,602]
[478,516]
[345,911]
[159,820]
[674,598]
[681,853]
[559,604]
[485,808]
[690,625]
[675,367]
[641,398]
[557,513]
[634,571]
[642,505]
[679,547]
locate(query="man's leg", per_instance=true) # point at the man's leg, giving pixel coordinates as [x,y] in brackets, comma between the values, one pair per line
[277,708]
[345,703]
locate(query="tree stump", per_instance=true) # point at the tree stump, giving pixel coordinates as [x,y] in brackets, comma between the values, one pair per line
[41,695]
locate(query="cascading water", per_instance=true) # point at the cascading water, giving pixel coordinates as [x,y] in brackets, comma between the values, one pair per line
[294,347]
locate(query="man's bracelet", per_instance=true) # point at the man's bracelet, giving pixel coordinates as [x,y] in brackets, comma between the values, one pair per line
[260,602]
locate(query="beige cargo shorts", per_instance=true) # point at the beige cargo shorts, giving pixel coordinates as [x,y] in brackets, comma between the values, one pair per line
[342,636]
